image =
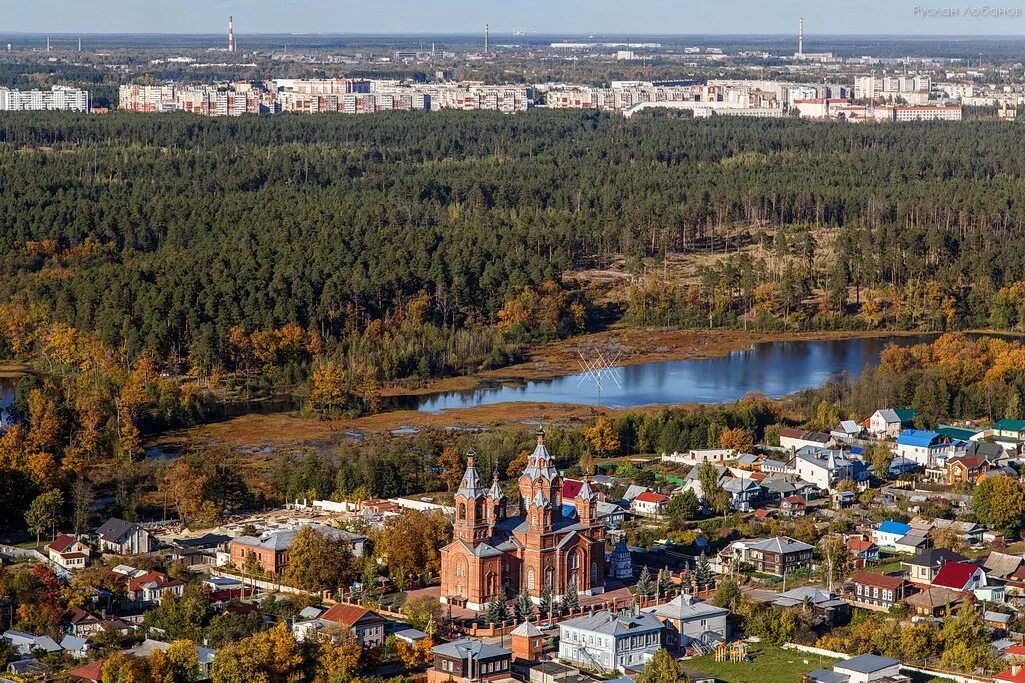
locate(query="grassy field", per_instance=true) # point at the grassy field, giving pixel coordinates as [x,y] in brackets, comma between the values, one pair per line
[769,664]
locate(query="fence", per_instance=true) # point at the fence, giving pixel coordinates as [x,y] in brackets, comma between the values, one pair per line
[947,675]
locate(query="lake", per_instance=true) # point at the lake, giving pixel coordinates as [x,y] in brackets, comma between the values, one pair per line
[775,369]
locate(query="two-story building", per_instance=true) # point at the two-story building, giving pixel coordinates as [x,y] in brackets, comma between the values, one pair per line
[960,576]
[607,641]
[924,567]
[68,552]
[688,620]
[926,448]
[889,423]
[124,538]
[879,591]
[966,469]
[770,556]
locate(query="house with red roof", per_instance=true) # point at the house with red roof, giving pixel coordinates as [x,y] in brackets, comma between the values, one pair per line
[793,506]
[68,552]
[1016,674]
[864,551]
[960,576]
[966,469]
[366,626]
[87,673]
[649,504]
[151,586]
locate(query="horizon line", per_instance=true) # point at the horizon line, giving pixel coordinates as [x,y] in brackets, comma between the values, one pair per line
[515,34]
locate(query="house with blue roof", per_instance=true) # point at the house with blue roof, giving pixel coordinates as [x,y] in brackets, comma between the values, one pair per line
[923,446]
[886,534]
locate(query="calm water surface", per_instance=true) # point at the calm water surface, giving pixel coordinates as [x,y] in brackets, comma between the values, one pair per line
[772,368]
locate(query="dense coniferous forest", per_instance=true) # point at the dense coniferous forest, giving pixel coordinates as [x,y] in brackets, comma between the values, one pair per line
[165,232]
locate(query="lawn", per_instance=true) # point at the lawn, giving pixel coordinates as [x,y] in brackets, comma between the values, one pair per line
[770,664]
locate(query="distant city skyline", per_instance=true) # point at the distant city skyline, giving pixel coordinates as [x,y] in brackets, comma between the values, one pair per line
[569,17]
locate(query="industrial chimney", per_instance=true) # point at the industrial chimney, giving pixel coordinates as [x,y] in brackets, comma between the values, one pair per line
[800,38]
[486,39]
[231,34]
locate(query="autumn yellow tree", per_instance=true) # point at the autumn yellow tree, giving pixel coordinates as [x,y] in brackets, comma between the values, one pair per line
[602,436]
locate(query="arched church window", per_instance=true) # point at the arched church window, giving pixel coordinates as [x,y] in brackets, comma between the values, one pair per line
[594,572]
[462,511]
[530,579]
[574,561]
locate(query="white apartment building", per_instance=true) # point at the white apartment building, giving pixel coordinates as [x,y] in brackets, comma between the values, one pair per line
[58,98]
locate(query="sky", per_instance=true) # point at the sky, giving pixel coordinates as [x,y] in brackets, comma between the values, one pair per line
[892,17]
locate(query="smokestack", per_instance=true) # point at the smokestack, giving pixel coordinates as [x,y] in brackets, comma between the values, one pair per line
[231,34]
[485,39]
[800,38]
[47,43]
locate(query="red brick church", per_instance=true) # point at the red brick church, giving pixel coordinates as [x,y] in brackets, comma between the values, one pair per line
[545,542]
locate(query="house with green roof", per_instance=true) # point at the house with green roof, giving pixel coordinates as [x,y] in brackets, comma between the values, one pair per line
[1013,429]
[957,433]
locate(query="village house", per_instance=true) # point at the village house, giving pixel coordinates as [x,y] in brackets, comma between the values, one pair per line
[607,641]
[864,552]
[935,601]
[792,506]
[969,532]
[743,492]
[649,504]
[825,467]
[879,591]
[960,576]
[861,669]
[798,438]
[846,432]
[926,448]
[825,606]
[687,620]
[80,623]
[770,556]
[887,533]
[888,422]
[366,626]
[68,552]
[966,469]
[469,661]
[924,567]
[124,538]
[150,586]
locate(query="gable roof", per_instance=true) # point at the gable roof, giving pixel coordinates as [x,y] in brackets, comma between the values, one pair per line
[1001,565]
[879,580]
[959,433]
[955,575]
[860,545]
[935,596]
[866,664]
[348,615]
[1009,425]
[934,557]
[970,462]
[685,607]
[905,414]
[651,497]
[62,542]
[114,529]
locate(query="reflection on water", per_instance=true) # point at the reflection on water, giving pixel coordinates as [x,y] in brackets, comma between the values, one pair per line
[774,369]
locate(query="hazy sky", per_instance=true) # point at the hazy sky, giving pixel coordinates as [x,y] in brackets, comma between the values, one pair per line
[542,16]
